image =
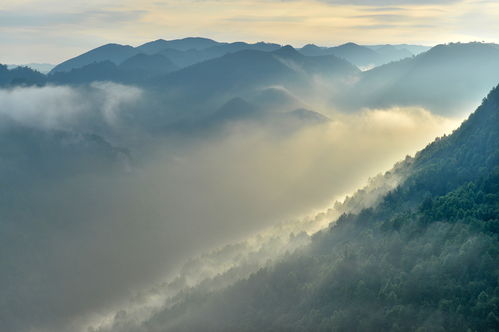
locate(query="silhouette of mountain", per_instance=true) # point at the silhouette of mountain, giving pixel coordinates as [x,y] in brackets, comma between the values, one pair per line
[356,54]
[414,49]
[276,98]
[185,44]
[445,79]
[392,53]
[188,51]
[235,109]
[97,71]
[240,73]
[314,50]
[183,52]
[305,116]
[362,56]
[43,68]
[192,56]
[110,52]
[136,69]
[238,110]
[20,76]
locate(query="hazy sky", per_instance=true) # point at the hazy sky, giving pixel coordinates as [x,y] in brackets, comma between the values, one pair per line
[54,30]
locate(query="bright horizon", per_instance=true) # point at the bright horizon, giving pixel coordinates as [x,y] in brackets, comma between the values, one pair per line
[53,31]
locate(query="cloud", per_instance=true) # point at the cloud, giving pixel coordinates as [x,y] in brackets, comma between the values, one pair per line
[373,3]
[252,176]
[384,9]
[384,17]
[51,19]
[255,18]
[63,107]
[83,244]
[30,30]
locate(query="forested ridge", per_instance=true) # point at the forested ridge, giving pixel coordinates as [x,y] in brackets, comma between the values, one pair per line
[424,259]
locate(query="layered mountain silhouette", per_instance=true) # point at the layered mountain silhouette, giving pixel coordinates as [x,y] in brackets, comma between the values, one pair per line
[188,51]
[445,79]
[136,69]
[392,52]
[423,259]
[191,43]
[241,73]
[362,56]
[185,58]
[238,109]
[183,52]
[276,98]
[114,53]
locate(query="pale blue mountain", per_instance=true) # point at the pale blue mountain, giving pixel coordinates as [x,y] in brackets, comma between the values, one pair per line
[391,52]
[43,68]
[147,65]
[95,71]
[361,56]
[110,52]
[185,44]
[444,79]
[20,76]
[183,52]
[185,58]
[276,98]
[242,73]
[137,69]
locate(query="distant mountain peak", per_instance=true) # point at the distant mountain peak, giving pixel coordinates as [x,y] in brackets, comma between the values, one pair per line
[311,46]
[113,52]
[349,44]
[287,51]
[112,45]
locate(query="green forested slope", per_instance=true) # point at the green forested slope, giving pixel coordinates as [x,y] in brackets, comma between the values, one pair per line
[424,259]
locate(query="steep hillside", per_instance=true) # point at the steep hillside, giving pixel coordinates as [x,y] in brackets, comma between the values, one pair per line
[424,259]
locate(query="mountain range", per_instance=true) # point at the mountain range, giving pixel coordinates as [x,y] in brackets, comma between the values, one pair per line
[184,70]
[445,79]
[188,51]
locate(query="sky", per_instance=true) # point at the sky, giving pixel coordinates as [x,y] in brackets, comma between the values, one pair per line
[50,31]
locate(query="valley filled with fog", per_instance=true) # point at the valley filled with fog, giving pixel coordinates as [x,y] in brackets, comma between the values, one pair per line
[132,176]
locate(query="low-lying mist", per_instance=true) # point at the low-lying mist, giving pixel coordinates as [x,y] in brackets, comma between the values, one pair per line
[77,245]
